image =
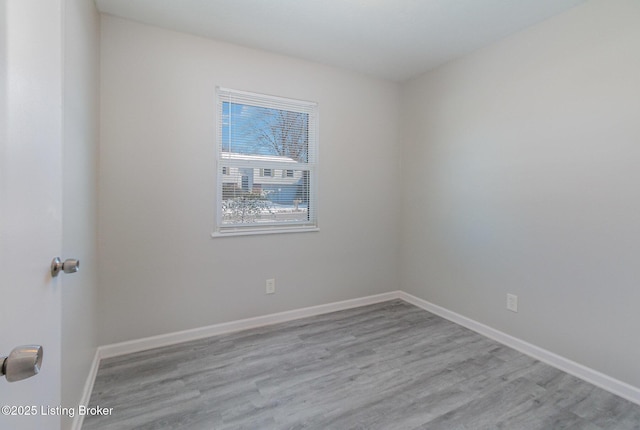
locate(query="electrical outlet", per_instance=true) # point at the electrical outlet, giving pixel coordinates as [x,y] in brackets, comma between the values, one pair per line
[271,286]
[512,302]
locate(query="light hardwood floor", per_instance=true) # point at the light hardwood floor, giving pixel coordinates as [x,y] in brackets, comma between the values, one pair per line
[384,366]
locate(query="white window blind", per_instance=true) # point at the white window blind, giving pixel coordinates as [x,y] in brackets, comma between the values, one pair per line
[267,148]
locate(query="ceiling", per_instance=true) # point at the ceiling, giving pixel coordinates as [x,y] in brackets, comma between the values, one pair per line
[390,39]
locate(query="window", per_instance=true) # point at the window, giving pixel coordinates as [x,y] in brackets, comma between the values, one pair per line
[266,172]
[267,151]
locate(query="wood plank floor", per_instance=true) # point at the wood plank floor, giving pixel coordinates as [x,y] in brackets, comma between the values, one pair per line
[384,366]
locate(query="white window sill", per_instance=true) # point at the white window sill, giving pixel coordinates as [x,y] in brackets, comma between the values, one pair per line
[253,232]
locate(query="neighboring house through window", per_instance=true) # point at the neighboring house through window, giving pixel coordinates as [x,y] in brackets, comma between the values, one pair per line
[267,164]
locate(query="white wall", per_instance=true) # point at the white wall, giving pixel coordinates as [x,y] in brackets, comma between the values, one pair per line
[160,271]
[521,169]
[81,33]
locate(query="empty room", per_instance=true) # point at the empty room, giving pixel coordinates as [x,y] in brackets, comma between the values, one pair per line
[294,214]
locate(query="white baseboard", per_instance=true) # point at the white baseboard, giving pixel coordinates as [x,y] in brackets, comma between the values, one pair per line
[138,345]
[86,392]
[619,388]
[594,377]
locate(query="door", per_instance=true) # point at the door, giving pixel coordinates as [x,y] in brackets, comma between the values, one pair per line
[30,202]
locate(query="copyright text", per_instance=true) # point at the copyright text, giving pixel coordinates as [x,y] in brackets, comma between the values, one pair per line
[33,410]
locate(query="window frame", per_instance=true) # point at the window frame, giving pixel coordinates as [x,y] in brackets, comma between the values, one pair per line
[311,166]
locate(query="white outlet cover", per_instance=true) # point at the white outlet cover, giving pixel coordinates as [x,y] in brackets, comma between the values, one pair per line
[270,286]
[512,302]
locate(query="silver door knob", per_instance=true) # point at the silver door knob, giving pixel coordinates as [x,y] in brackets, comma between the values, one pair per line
[23,362]
[70,265]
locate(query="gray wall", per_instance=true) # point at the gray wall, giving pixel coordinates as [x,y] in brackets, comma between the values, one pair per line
[160,269]
[81,28]
[521,169]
